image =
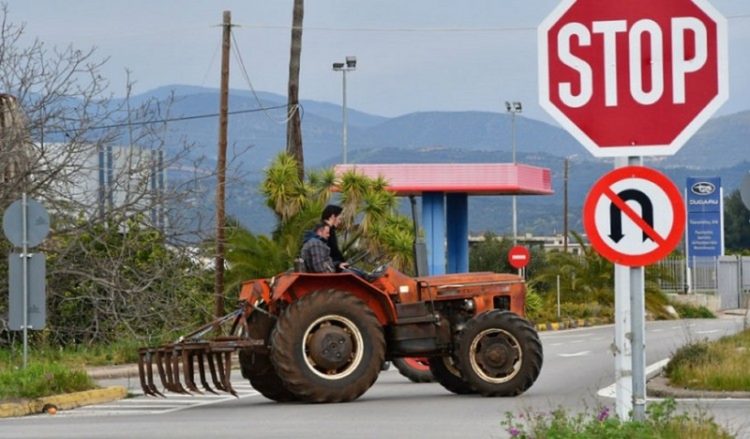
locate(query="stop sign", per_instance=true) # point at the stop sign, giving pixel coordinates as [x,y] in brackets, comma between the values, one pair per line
[633,77]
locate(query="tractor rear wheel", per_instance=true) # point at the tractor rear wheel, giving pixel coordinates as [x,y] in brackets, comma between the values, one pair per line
[257,366]
[328,346]
[417,369]
[447,374]
[499,354]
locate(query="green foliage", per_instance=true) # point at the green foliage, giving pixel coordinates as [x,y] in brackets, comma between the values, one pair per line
[380,230]
[42,379]
[491,254]
[692,354]
[534,304]
[120,279]
[736,224]
[589,278]
[689,311]
[662,422]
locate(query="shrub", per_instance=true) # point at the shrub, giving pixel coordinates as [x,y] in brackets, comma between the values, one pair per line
[689,311]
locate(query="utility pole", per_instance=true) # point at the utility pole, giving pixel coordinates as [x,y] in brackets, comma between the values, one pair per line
[565,206]
[221,164]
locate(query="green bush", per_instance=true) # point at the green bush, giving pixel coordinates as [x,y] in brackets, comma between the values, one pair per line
[689,311]
[692,354]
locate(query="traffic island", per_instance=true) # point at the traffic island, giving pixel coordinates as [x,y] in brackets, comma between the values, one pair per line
[51,404]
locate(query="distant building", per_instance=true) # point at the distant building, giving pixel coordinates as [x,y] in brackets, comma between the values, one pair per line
[102,179]
[547,243]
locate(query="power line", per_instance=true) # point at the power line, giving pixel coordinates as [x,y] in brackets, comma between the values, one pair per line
[171,119]
[238,55]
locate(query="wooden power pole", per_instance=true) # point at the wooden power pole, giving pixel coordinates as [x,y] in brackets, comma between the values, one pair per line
[221,164]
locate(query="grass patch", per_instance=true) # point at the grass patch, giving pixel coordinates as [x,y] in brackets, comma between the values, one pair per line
[55,370]
[121,352]
[662,422]
[688,311]
[720,365]
[42,379]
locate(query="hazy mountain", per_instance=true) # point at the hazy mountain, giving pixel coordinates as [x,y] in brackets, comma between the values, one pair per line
[255,137]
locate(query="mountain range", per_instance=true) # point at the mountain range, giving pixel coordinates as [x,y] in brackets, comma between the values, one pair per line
[255,135]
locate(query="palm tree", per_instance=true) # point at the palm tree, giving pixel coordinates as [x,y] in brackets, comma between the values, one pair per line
[297,204]
[590,278]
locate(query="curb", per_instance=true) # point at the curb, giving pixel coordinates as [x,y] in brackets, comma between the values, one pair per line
[62,402]
[571,324]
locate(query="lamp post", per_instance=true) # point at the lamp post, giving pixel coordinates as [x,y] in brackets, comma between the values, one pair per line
[343,67]
[513,108]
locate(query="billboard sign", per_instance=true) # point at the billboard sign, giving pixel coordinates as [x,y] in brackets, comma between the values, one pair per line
[705,231]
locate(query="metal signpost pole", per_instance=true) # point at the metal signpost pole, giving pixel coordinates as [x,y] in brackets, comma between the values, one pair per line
[25,273]
[623,346]
[638,342]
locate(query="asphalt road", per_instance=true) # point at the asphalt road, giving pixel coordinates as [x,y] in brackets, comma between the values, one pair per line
[578,364]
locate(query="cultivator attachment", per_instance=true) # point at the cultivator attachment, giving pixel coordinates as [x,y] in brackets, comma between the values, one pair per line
[175,363]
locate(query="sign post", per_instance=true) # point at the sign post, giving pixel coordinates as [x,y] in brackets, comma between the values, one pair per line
[609,72]
[26,224]
[519,257]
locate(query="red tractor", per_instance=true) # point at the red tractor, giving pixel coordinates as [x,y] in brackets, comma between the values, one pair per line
[324,337]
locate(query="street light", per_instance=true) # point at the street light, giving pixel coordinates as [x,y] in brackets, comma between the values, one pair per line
[513,108]
[343,67]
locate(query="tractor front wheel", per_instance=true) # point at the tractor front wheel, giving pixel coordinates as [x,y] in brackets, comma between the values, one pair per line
[499,354]
[328,346]
[446,373]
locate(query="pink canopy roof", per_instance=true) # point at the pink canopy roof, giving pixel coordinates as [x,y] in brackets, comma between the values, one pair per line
[469,178]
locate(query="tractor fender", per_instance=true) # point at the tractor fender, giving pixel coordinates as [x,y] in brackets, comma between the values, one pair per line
[292,286]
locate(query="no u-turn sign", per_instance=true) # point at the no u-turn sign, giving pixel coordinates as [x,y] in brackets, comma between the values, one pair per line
[634,216]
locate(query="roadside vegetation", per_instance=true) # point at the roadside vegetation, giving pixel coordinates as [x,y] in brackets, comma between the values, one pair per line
[720,365]
[662,422]
[41,378]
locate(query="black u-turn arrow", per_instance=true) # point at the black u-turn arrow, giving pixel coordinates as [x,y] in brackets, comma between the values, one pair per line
[615,214]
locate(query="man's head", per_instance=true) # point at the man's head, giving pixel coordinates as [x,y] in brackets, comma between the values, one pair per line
[331,215]
[322,230]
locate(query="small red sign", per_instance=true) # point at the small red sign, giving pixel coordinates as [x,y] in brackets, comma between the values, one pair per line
[519,257]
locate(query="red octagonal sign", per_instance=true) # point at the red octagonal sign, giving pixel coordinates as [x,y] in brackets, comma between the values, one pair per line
[633,77]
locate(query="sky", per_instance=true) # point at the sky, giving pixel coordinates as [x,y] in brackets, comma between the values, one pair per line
[416,55]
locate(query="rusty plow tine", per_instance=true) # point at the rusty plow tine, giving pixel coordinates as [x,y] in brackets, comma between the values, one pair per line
[150,374]
[228,373]
[221,366]
[202,372]
[188,368]
[212,368]
[160,367]
[143,357]
[176,370]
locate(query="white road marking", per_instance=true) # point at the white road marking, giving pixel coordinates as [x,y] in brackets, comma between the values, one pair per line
[577,354]
[707,331]
[141,404]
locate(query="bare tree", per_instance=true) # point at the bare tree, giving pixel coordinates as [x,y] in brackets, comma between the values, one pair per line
[116,260]
[294,125]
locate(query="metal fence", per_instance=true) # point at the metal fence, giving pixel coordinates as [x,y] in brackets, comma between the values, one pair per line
[701,278]
[728,277]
